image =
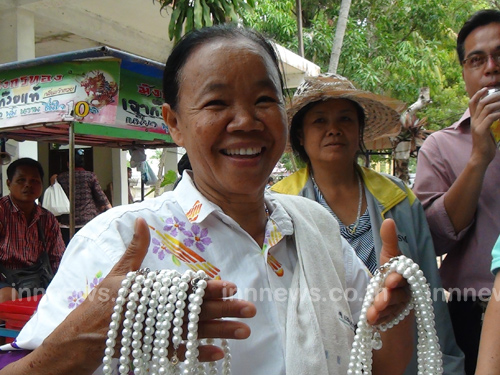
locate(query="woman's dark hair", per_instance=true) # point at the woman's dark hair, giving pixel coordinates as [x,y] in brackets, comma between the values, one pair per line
[12,168]
[189,42]
[297,124]
[183,164]
[79,158]
[478,19]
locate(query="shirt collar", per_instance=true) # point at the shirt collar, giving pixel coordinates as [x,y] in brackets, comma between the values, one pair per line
[464,120]
[197,207]
[37,211]
[278,215]
[385,191]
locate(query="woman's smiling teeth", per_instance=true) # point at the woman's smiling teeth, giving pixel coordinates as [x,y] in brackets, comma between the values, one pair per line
[243,151]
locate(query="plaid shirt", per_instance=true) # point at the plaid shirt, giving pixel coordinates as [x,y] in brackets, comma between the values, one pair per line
[20,245]
[89,197]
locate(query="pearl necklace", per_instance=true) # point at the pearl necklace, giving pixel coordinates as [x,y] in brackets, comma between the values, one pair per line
[367,337]
[360,202]
[153,304]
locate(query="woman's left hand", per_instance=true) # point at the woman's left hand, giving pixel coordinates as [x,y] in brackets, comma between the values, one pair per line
[395,294]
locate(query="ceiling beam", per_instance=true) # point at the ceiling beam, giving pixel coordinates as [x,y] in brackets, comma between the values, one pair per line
[105,31]
[11,4]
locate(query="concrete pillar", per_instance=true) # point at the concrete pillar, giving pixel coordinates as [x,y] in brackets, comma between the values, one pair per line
[12,149]
[17,28]
[120,178]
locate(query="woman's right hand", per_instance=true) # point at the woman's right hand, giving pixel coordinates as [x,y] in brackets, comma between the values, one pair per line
[93,319]
[81,337]
[215,307]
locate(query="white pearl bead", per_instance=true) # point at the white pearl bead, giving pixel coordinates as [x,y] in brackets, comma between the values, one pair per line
[195,309]
[125,351]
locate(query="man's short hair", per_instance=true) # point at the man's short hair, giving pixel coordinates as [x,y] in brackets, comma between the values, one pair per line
[12,168]
[478,19]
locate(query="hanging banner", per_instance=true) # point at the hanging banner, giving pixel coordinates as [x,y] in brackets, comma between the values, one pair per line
[140,102]
[79,91]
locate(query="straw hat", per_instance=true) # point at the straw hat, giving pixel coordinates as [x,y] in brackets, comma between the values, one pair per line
[382,114]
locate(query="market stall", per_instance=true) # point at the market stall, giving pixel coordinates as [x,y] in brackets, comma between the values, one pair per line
[94,97]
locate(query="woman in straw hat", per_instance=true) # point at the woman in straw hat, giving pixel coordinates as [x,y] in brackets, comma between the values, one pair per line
[329,122]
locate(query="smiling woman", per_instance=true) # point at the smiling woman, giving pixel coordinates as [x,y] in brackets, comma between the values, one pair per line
[232,117]
[224,104]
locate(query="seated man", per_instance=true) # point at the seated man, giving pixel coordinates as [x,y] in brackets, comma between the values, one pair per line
[26,229]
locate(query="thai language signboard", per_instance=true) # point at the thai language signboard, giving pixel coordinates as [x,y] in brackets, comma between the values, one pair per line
[94,92]
[140,102]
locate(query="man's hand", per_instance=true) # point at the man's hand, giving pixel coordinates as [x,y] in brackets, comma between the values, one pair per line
[461,199]
[484,110]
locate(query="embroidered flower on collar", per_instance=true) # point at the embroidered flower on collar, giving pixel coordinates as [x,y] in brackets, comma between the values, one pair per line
[192,214]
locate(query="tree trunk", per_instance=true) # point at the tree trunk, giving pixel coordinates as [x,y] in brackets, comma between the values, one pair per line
[404,146]
[161,173]
[401,169]
[424,98]
[298,8]
[338,40]
[402,160]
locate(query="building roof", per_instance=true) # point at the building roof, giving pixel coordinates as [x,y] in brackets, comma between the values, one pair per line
[134,26]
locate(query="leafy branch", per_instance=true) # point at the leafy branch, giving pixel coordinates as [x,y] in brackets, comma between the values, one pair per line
[169,178]
[188,15]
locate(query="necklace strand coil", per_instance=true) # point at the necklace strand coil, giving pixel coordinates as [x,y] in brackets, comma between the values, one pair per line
[368,337]
[152,305]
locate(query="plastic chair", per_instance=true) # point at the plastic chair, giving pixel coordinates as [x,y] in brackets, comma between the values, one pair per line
[15,314]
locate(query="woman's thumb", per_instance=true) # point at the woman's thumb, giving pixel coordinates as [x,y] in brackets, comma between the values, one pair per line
[132,259]
[389,239]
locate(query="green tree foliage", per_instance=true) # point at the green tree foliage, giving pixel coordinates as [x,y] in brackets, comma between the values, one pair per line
[391,47]
[195,14]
